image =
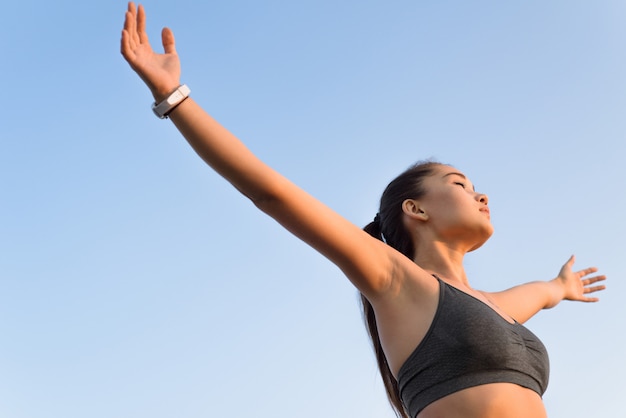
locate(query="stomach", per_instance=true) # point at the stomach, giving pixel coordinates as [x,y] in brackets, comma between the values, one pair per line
[494,400]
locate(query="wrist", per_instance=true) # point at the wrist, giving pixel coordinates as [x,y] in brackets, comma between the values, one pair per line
[164,107]
[163,93]
[556,293]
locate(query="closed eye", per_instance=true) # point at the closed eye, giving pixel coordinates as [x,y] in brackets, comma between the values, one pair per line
[460,184]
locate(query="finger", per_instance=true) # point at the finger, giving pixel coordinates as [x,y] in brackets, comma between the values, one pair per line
[127,33]
[594,289]
[167,37]
[131,15]
[594,279]
[581,298]
[131,7]
[125,48]
[141,24]
[587,271]
[130,27]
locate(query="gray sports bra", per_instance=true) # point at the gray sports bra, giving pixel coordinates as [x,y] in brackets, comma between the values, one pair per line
[469,344]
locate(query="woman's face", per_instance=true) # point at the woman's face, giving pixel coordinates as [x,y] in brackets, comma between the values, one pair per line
[454,209]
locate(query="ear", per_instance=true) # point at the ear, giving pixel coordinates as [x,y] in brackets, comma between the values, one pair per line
[413,209]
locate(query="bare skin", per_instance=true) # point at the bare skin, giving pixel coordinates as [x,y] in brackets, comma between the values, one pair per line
[451,220]
[500,400]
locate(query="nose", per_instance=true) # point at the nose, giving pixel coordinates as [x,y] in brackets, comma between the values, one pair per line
[482,198]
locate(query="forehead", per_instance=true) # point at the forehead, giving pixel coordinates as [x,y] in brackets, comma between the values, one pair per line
[444,171]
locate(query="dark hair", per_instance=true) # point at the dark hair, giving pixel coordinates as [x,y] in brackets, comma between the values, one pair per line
[388,227]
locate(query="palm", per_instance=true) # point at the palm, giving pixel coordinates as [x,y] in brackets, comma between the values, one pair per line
[161,72]
[575,283]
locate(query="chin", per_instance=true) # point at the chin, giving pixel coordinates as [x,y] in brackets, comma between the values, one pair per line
[486,236]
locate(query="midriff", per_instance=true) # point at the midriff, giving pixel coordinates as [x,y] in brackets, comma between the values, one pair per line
[494,400]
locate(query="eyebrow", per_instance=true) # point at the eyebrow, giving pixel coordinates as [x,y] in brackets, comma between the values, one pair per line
[455,173]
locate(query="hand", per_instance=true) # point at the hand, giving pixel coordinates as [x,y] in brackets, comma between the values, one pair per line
[160,72]
[575,285]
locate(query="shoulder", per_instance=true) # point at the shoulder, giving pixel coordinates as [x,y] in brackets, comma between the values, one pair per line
[407,283]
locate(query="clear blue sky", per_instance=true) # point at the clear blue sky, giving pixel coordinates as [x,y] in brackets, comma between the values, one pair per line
[134,282]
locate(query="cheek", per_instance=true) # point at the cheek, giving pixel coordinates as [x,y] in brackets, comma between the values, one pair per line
[452,202]
[446,211]
[454,209]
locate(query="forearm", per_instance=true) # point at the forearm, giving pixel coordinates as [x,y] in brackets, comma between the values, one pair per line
[224,152]
[548,293]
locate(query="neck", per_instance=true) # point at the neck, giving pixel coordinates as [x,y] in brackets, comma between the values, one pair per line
[442,260]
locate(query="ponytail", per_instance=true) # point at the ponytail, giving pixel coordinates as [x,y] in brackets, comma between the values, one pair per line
[374,228]
[388,227]
[390,382]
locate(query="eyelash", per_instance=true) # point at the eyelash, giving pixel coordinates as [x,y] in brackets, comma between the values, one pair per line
[460,184]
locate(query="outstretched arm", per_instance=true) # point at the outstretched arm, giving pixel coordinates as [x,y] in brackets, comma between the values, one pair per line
[524,301]
[369,263]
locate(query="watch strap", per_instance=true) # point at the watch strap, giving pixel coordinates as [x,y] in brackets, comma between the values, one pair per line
[174,99]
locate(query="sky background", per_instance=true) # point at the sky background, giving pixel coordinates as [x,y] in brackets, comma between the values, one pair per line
[134,282]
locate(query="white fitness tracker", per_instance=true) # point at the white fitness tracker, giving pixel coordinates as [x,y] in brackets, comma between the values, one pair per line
[166,106]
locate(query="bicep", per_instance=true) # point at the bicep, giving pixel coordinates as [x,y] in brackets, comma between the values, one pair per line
[366,261]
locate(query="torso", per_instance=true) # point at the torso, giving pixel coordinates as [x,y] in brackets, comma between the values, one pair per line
[405,321]
[496,400]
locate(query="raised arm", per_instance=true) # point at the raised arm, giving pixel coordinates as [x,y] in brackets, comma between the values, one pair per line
[524,301]
[369,263]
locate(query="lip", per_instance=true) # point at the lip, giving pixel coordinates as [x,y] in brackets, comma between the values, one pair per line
[485,210]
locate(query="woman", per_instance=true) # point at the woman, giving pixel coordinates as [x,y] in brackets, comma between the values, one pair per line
[444,349]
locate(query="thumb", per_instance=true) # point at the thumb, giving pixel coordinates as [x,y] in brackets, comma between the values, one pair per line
[571,260]
[167,38]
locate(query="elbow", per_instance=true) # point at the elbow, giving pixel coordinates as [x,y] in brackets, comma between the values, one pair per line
[262,199]
[266,202]
[265,193]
